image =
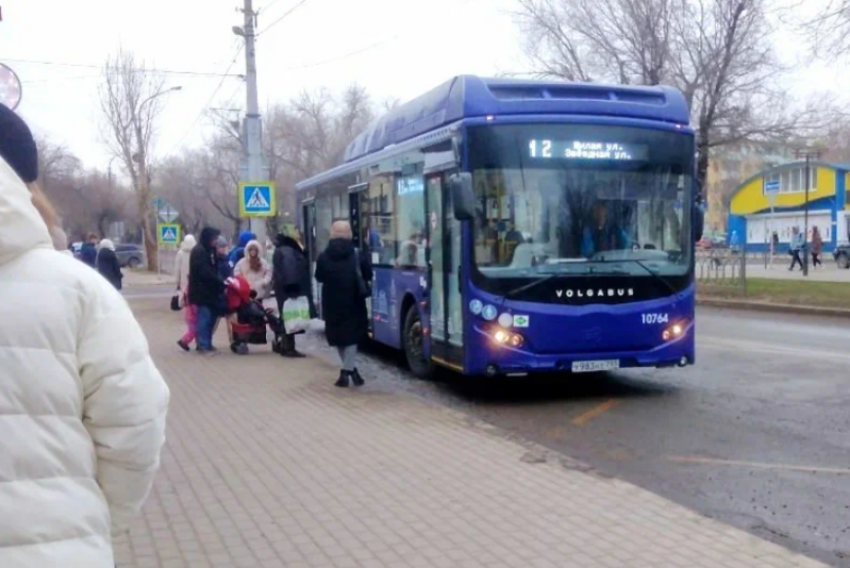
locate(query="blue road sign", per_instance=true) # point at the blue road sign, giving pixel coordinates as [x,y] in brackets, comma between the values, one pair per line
[257,200]
[168,234]
[771,186]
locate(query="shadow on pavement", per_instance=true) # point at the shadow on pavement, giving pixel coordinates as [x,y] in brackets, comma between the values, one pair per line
[545,388]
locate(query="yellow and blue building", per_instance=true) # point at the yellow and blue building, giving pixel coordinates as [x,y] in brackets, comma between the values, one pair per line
[750,214]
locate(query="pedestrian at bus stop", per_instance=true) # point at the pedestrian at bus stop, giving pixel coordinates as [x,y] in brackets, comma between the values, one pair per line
[181,277]
[797,248]
[88,252]
[108,265]
[82,405]
[255,269]
[206,287]
[345,274]
[774,246]
[291,280]
[817,247]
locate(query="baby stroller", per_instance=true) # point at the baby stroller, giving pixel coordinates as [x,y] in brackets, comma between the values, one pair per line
[248,318]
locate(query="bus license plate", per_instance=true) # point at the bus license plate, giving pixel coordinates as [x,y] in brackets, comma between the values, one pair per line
[595,366]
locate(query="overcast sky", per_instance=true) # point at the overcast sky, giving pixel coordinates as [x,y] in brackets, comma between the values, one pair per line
[395,48]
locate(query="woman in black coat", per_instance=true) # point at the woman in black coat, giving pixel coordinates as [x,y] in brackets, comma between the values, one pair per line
[291,280]
[343,304]
[107,263]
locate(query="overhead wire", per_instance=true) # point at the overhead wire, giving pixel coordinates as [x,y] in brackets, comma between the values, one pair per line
[209,101]
[90,66]
[269,5]
[344,56]
[277,21]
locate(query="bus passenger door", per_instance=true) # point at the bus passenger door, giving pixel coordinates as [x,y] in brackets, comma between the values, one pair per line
[358,202]
[444,238]
[308,232]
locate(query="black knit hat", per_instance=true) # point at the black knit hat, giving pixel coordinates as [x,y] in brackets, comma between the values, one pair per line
[17,145]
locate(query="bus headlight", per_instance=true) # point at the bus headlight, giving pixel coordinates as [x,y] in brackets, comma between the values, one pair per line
[502,337]
[674,331]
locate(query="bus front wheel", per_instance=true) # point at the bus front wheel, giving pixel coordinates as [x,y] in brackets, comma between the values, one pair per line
[414,345]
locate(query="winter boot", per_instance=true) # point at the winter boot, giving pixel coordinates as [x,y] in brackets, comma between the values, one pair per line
[342,381]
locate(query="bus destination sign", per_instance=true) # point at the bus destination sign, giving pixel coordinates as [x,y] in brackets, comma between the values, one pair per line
[588,150]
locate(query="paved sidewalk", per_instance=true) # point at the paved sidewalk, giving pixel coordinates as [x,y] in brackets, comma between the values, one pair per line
[829,272]
[139,278]
[268,465]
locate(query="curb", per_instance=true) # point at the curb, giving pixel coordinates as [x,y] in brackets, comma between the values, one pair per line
[774,308]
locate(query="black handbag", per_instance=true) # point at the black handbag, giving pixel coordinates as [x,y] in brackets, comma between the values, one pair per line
[175,302]
[364,289]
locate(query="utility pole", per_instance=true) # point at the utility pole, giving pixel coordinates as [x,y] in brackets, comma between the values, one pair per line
[253,169]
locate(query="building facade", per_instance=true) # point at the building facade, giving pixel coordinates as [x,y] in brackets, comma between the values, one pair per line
[753,220]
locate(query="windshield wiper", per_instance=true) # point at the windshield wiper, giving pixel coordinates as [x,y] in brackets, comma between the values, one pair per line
[529,286]
[652,273]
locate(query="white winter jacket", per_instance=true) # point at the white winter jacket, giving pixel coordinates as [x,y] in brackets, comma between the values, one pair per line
[260,280]
[82,407]
[181,266]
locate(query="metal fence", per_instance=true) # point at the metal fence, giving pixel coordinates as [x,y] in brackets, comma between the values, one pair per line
[722,267]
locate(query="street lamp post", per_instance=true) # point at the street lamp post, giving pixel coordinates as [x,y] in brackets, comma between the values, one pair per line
[809,155]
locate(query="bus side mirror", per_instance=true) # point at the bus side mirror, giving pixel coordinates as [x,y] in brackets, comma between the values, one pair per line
[699,222]
[462,196]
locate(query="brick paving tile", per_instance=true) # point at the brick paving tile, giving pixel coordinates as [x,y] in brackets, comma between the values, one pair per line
[268,465]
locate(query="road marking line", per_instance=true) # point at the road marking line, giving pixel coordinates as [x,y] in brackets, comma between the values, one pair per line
[583,419]
[758,465]
[751,346]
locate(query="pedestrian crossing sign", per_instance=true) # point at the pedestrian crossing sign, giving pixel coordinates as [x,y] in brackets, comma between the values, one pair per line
[168,234]
[257,199]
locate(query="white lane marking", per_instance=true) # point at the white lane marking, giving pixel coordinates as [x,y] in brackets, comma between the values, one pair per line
[758,465]
[768,348]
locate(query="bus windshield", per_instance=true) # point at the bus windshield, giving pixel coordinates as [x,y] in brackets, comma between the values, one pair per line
[565,199]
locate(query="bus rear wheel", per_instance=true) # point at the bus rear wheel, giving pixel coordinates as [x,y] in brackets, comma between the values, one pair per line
[414,345]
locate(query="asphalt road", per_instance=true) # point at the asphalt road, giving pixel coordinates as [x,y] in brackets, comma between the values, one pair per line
[757,434]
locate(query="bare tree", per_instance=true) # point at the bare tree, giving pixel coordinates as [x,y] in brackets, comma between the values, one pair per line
[86,200]
[828,31]
[717,52]
[130,102]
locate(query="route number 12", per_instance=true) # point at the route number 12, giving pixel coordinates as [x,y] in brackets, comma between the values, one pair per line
[545,147]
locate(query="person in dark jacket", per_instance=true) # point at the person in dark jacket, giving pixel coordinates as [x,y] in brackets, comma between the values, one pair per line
[343,305]
[206,286]
[107,263]
[291,280]
[238,252]
[225,271]
[88,252]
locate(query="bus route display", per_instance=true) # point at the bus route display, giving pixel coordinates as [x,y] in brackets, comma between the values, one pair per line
[587,150]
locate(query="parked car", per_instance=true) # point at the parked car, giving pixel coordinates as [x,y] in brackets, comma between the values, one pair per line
[130,255]
[842,256]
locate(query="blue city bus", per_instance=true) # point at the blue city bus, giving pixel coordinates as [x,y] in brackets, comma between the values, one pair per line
[520,227]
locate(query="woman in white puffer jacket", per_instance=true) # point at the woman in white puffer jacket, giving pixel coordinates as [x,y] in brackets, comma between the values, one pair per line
[82,407]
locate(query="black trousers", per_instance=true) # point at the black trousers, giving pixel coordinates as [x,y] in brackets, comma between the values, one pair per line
[815,259]
[796,260]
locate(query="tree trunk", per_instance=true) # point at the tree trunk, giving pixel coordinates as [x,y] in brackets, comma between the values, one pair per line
[149,235]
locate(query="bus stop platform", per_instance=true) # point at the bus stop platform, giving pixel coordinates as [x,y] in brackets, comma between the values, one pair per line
[267,465]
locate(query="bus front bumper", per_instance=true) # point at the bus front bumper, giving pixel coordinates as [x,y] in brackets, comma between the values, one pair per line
[493,360]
